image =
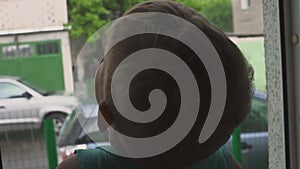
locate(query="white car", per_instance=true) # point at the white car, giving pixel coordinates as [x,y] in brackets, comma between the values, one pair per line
[25,107]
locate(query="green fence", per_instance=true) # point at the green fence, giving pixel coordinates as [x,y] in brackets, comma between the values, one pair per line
[50,139]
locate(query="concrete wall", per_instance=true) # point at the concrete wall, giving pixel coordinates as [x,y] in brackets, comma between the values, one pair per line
[247,21]
[18,18]
[274,84]
[16,14]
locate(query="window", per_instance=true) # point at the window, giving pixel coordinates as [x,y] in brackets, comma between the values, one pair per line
[48,48]
[22,50]
[8,90]
[245,4]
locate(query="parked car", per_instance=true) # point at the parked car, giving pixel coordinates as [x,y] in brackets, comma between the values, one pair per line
[254,137]
[24,107]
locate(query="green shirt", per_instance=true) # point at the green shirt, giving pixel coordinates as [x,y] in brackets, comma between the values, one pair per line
[99,158]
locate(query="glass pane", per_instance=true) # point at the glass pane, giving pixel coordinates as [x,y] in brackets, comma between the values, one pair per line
[16,51]
[48,48]
[8,90]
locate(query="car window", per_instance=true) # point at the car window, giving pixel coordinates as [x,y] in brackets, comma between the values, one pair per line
[8,90]
[35,88]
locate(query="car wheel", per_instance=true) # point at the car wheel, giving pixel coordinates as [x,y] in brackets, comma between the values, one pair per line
[59,119]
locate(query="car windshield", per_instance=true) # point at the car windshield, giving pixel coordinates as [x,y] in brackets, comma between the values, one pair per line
[36,88]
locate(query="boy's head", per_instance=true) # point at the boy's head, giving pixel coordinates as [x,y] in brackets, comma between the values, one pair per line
[238,79]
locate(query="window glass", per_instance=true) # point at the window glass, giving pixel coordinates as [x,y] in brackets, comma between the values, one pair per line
[8,90]
[13,51]
[48,48]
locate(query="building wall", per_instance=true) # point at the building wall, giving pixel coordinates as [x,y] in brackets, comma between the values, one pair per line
[52,72]
[29,21]
[247,21]
[23,14]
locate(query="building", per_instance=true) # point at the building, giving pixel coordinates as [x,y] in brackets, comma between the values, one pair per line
[34,43]
[247,17]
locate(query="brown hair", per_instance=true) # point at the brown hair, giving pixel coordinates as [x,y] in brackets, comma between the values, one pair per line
[239,76]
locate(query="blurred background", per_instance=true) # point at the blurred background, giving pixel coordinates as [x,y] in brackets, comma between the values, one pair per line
[40,41]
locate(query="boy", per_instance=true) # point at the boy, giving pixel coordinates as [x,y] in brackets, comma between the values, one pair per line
[189,153]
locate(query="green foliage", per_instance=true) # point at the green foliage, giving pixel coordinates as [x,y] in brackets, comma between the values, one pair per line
[87,16]
[219,12]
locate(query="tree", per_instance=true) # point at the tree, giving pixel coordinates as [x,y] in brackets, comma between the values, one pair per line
[219,12]
[87,16]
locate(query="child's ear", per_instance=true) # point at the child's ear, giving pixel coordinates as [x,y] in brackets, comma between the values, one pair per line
[104,117]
